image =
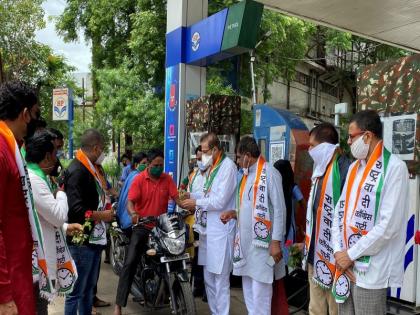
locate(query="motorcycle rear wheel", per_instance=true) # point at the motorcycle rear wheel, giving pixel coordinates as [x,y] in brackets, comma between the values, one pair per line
[184,298]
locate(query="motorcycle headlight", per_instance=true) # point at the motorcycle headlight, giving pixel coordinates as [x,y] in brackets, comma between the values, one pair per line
[175,245]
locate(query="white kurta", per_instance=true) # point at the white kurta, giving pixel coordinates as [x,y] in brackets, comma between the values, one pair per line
[385,242]
[219,239]
[52,213]
[255,258]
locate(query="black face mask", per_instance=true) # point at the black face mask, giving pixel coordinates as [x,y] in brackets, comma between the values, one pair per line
[31,128]
[57,169]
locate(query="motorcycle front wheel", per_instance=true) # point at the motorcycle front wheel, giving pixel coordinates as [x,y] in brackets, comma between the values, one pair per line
[117,254]
[184,298]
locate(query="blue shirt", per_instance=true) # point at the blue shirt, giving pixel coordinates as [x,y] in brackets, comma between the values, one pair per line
[123,216]
[126,171]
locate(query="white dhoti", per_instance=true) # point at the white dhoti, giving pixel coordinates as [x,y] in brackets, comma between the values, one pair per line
[257,296]
[218,292]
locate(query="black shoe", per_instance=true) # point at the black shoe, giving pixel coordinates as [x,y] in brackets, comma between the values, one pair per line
[198,292]
[204,296]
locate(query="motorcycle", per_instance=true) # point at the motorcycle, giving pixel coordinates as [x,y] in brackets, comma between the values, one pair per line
[118,247]
[162,277]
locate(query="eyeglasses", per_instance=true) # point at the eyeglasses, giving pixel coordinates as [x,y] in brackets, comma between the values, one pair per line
[351,137]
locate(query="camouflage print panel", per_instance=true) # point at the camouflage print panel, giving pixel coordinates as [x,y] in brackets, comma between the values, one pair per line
[393,87]
[217,113]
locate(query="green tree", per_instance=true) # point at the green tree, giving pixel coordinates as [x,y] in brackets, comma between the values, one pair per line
[127,108]
[23,58]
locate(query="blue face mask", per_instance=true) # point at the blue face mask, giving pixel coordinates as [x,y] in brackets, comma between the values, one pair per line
[60,154]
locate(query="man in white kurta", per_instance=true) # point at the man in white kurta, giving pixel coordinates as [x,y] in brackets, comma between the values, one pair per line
[256,265]
[372,254]
[218,195]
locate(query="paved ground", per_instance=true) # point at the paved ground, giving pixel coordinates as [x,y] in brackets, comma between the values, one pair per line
[108,287]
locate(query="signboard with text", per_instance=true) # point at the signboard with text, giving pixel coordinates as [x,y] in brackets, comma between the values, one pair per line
[61,104]
[171,120]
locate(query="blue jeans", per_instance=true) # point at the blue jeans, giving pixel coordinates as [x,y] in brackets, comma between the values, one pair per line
[87,260]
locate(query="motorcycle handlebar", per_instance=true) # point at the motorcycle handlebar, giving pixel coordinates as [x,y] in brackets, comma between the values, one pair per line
[145,220]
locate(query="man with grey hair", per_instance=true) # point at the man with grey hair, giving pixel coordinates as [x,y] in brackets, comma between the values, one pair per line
[85,185]
[261,227]
[217,196]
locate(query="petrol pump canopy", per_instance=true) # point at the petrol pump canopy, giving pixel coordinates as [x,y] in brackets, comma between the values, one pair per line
[393,22]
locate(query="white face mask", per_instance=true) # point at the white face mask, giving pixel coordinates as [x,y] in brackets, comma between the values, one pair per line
[100,159]
[201,166]
[207,160]
[322,155]
[359,149]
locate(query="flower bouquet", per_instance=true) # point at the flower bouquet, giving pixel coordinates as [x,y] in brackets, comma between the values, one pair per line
[295,254]
[80,237]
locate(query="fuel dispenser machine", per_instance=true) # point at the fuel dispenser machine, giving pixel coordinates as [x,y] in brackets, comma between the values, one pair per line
[283,135]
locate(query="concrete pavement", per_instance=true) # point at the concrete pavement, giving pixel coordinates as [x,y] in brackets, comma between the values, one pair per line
[107,290]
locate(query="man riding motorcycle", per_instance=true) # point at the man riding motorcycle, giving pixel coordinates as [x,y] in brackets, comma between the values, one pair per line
[148,196]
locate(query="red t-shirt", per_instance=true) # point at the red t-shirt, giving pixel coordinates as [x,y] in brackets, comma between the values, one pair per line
[150,197]
[15,237]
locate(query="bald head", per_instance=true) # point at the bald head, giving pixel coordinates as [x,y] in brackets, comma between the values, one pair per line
[211,139]
[90,139]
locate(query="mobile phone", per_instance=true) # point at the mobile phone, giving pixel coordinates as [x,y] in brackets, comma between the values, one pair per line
[270,261]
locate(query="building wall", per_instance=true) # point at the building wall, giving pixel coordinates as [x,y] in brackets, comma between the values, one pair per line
[303,97]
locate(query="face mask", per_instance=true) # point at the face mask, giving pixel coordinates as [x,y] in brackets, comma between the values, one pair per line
[201,166]
[207,160]
[31,128]
[100,159]
[60,153]
[359,149]
[322,155]
[156,171]
[57,169]
[141,167]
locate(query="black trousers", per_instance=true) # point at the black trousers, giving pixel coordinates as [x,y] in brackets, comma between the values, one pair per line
[197,270]
[136,248]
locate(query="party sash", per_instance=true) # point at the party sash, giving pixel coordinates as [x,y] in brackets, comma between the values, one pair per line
[324,262]
[66,273]
[98,235]
[39,263]
[363,216]
[199,220]
[261,221]
[200,214]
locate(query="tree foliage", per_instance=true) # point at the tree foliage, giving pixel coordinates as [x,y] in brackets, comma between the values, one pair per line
[126,107]
[23,58]
[128,50]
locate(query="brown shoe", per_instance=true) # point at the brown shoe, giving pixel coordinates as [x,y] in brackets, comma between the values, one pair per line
[100,303]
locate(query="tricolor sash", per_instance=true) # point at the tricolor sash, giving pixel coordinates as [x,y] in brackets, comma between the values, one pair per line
[66,274]
[199,226]
[98,234]
[261,221]
[200,214]
[324,262]
[364,214]
[39,263]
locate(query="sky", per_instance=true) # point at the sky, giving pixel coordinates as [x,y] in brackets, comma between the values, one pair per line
[77,54]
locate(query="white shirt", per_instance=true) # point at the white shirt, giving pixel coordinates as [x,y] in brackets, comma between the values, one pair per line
[256,257]
[198,182]
[385,242]
[220,236]
[52,213]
